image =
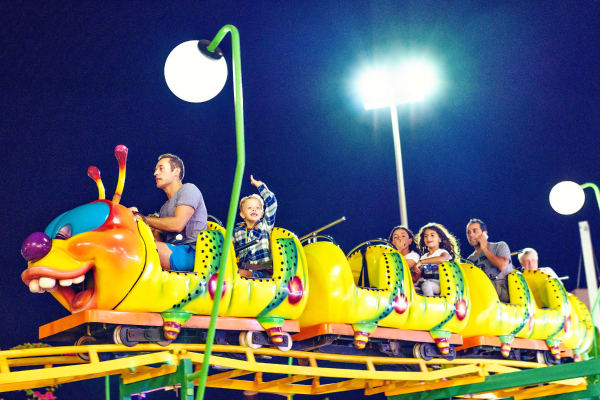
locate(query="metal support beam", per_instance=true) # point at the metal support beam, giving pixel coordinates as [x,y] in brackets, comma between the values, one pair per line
[399,167]
[180,377]
[592,392]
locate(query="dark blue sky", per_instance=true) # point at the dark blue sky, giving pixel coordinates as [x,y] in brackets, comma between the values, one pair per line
[517,113]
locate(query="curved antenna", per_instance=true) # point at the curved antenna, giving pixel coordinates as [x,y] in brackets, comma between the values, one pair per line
[94,173]
[121,154]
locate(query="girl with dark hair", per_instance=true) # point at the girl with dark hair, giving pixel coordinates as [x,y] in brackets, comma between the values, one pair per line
[405,242]
[436,245]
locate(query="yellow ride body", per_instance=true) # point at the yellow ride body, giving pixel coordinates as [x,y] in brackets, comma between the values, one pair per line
[489,316]
[557,315]
[540,308]
[392,302]
[114,254]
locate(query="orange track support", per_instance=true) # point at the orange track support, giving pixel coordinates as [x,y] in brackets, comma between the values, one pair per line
[518,343]
[380,332]
[74,325]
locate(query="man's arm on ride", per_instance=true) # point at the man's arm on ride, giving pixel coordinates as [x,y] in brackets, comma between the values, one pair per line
[173,224]
[502,259]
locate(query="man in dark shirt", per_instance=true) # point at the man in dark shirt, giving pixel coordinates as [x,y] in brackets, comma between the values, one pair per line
[492,258]
[184,213]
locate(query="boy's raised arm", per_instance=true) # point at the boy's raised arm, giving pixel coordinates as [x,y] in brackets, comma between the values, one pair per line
[270,202]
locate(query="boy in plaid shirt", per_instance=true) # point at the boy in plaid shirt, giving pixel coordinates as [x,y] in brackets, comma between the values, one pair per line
[255,260]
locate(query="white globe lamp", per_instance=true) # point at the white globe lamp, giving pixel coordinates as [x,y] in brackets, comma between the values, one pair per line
[195,74]
[567,197]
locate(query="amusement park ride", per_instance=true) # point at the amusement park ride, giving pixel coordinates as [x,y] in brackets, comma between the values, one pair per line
[310,329]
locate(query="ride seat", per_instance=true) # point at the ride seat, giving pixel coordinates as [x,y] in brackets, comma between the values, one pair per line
[537,282]
[486,290]
[209,247]
[365,262]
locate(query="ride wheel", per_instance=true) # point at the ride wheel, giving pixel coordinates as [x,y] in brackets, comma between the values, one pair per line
[120,335]
[250,340]
[289,342]
[85,341]
[428,351]
[545,357]
[420,351]
[242,339]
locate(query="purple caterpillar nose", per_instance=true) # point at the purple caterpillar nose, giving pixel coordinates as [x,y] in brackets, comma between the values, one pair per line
[36,246]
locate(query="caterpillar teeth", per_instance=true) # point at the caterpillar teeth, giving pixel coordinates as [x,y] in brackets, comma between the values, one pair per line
[34,285]
[45,283]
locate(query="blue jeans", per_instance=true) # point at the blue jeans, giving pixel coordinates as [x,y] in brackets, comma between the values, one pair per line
[261,273]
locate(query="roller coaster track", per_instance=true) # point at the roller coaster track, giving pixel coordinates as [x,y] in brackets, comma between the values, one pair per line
[147,367]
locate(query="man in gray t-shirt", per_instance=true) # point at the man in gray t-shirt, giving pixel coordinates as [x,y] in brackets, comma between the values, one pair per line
[184,213]
[492,258]
[187,195]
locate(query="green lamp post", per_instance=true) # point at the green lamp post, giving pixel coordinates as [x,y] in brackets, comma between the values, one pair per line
[196,71]
[567,198]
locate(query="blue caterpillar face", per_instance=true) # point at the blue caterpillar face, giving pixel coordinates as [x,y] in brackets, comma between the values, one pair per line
[78,220]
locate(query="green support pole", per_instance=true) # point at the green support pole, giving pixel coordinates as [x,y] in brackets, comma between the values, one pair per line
[592,393]
[107,387]
[594,378]
[596,190]
[235,193]
[290,362]
[595,305]
[511,380]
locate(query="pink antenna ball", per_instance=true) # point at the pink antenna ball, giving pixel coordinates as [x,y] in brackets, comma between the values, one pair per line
[94,173]
[121,154]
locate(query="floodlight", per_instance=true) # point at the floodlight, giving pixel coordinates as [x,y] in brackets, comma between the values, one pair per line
[374,86]
[416,80]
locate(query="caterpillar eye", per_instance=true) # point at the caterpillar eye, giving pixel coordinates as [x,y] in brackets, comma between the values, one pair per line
[64,233]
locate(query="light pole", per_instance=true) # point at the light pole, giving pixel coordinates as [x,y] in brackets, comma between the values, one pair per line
[382,89]
[567,198]
[196,71]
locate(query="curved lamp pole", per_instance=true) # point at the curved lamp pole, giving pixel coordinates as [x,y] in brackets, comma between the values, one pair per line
[198,58]
[567,198]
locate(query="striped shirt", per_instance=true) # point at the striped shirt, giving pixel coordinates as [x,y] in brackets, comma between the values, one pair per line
[260,252]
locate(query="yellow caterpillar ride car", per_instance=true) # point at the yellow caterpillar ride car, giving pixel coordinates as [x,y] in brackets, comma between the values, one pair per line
[540,315]
[100,262]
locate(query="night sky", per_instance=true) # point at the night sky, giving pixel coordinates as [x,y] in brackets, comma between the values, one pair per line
[516,113]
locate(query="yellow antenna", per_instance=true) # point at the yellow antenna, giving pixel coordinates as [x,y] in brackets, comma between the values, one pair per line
[121,154]
[95,175]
